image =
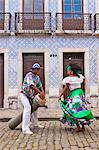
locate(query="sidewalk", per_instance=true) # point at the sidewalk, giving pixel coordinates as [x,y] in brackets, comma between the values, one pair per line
[53,112]
[43,114]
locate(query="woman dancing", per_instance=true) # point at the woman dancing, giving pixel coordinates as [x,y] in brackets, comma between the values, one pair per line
[75,106]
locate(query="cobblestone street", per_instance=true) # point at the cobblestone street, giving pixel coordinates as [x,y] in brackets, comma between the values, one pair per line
[54,136]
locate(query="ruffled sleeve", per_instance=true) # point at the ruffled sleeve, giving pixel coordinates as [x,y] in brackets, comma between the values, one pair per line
[73,80]
[66,80]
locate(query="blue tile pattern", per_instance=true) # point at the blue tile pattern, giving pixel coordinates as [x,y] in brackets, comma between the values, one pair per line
[53,8]
[13,43]
[13,7]
[53,43]
[12,73]
[92,10]
[92,6]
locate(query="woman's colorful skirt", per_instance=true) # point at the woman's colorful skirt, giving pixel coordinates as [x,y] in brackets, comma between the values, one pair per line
[75,109]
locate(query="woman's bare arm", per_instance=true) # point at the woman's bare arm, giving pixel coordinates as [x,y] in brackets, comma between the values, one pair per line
[63,91]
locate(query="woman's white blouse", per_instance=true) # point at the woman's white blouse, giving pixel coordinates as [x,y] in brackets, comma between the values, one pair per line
[73,81]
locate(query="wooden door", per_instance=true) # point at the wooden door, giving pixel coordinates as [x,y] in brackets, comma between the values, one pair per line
[1,80]
[33,15]
[77,58]
[29,59]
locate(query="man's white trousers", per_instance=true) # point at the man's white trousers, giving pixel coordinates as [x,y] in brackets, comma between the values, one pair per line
[27,114]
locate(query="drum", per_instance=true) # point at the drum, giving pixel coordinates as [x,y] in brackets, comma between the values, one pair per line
[14,122]
[36,102]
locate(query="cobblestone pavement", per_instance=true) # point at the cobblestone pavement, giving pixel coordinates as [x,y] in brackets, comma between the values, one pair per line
[54,136]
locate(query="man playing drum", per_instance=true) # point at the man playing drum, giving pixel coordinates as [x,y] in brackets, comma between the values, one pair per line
[31,86]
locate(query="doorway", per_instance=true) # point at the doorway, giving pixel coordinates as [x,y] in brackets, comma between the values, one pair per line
[75,58]
[29,59]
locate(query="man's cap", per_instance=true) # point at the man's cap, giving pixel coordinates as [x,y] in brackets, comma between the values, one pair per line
[36,66]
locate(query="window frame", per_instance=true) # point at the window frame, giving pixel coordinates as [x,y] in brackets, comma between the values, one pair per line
[33,6]
[72,8]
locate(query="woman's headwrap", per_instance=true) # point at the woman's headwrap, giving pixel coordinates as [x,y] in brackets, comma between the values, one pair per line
[69,68]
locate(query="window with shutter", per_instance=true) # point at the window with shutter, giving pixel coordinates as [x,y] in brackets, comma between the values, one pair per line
[73,18]
[73,8]
[33,6]
[33,14]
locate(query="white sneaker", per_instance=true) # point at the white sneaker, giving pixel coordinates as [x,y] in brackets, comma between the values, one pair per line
[40,126]
[27,132]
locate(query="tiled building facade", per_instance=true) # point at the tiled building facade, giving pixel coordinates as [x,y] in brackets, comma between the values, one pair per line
[53,41]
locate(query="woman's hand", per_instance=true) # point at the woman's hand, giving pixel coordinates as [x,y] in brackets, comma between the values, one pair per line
[59,98]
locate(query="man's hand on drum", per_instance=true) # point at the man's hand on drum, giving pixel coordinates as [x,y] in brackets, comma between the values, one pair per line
[42,95]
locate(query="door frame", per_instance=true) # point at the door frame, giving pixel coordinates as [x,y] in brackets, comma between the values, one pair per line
[46,64]
[86,65]
[98,70]
[5,52]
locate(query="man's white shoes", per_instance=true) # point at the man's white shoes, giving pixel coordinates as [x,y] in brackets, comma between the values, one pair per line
[40,126]
[27,132]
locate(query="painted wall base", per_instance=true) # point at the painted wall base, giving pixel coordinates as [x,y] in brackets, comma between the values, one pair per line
[53,92]
[13,100]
